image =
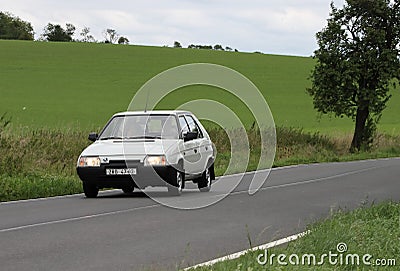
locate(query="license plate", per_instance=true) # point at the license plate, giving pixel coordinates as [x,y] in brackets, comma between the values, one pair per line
[120,171]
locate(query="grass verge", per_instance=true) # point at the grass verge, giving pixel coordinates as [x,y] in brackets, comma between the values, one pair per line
[370,230]
[40,162]
[37,186]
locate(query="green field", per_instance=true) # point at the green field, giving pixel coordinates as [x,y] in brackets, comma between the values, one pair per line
[79,85]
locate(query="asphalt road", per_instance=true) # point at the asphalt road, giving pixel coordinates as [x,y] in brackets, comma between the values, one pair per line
[133,232]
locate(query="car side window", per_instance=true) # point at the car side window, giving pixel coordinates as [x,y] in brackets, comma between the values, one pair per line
[183,124]
[193,126]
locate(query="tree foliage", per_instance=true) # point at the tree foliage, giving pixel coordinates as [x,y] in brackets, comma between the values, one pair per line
[177,44]
[86,36]
[199,46]
[54,32]
[123,40]
[218,47]
[13,28]
[110,35]
[357,60]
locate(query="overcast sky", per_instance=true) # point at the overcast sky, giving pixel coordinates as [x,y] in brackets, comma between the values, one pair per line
[271,26]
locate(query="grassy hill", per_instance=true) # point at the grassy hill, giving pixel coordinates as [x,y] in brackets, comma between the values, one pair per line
[80,85]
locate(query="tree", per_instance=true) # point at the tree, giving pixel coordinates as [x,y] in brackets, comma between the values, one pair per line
[110,35]
[204,47]
[357,61]
[13,28]
[57,33]
[177,44]
[123,40]
[86,36]
[218,47]
[70,29]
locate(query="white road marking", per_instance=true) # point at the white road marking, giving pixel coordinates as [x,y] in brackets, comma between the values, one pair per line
[105,192]
[77,218]
[243,252]
[313,180]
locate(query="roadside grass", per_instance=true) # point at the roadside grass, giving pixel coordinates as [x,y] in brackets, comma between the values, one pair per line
[31,186]
[372,229]
[41,162]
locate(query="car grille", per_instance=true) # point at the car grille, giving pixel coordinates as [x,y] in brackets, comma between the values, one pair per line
[122,164]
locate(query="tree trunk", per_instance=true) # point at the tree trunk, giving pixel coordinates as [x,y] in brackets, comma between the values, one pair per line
[361,119]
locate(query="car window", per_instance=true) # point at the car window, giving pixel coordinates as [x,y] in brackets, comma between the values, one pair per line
[137,126]
[133,127]
[114,128]
[183,124]
[154,126]
[193,126]
[169,128]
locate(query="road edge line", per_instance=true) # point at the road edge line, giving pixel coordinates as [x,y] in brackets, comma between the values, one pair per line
[243,252]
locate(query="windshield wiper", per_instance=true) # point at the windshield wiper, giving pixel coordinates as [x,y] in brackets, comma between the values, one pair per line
[110,137]
[145,137]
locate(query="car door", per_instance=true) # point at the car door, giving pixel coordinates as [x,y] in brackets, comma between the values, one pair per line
[190,152]
[205,148]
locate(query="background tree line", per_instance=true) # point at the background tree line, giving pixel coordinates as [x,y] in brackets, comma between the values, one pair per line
[219,47]
[14,28]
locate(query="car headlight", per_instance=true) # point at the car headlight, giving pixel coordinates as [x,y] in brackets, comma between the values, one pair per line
[89,162]
[155,160]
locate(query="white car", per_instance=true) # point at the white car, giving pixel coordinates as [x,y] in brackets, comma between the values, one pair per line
[142,149]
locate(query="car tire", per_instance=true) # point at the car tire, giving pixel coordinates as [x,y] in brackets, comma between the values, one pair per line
[128,190]
[204,182]
[90,190]
[176,183]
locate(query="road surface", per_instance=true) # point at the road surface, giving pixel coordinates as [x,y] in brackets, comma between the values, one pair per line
[133,232]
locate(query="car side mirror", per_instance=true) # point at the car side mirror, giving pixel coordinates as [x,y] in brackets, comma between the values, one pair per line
[93,137]
[190,136]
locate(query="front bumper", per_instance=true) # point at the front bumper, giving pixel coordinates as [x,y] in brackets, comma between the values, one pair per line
[145,176]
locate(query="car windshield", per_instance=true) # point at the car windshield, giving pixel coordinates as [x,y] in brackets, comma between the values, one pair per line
[141,126]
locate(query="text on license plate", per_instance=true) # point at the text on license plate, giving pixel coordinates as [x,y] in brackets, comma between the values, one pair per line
[120,171]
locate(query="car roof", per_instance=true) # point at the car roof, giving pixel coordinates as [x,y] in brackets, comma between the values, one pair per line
[152,112]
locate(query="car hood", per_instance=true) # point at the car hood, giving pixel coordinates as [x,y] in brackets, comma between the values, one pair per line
[132,149]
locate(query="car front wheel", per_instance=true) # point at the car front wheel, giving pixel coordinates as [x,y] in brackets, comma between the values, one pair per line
[128,190]
[176,183]
[204,183]
[90,190]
